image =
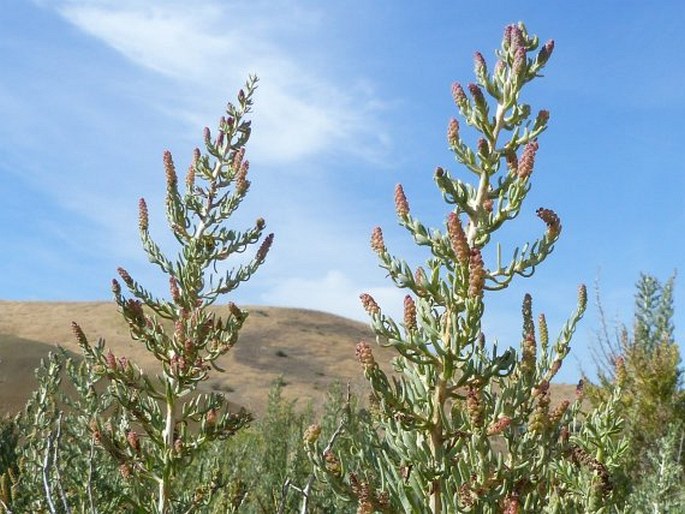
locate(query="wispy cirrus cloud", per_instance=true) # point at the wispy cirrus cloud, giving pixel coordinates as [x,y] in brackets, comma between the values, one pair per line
[209,49]
[334,292]
[111,83]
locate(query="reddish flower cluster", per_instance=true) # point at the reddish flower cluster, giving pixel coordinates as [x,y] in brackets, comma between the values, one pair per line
[474,406]
[170,170]
[479,65]
[558,411]
[190,177]
[527,162]
[460,245]
[78,334]
[409,314]
[125,277]
[241,182]
[477,94]
[369,501]
[174,290]
[133,440]
[143,219]
[377,243]
[264,248]
[545,52]
[511,505]
[620,370]
[332,462]
[518,68]
[476,273]
[364,355]
[111,361]
[401,204]
[555,367]
[499,426]
[528,353]
[238,160]
[369,304]
[235,311]
[453,133]
[551,219]
[459,96]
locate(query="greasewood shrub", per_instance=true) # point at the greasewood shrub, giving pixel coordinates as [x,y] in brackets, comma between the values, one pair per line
[652,402]
[150,427]
[463,426]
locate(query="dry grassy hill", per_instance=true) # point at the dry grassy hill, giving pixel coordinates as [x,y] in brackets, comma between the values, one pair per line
[308,349]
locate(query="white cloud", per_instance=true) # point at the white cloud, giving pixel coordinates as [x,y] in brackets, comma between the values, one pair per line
[333,292]
[302,111]
[181,60]
[165,40]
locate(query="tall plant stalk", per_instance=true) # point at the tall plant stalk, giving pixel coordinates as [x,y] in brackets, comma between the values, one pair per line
[160,423]
[462,426]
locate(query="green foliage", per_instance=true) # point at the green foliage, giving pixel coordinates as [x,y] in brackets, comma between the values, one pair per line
[262,469]
[279,464]
[265,466]
[151,427]
[160,424]
[9,440]
[58,469]
[9,436]
[654,311]
[653,401]
[662,488]
[262,459]
[462,426]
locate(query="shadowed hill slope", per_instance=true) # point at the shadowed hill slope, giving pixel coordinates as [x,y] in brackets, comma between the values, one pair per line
[308,349]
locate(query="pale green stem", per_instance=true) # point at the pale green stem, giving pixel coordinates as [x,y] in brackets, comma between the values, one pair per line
[164,482]
[436,444]
[437,441]
[484,182]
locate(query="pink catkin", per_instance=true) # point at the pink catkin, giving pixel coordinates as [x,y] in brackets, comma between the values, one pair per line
[377,243]
[401,204]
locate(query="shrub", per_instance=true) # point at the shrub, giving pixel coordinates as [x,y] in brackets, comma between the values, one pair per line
[463,426]
[265,466]
[653,401]
[151,427]
[59,469]
[661,489]
[9,440]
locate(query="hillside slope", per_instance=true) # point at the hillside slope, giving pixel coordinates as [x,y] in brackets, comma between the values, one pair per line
[308,349]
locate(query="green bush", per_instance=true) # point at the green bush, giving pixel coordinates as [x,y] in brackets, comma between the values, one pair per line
[151,427]
[59,467]
[9,440]
[265,466]
[652,402]
[462,426]
[661,489]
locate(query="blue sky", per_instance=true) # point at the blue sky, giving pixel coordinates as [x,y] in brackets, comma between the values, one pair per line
[354,97]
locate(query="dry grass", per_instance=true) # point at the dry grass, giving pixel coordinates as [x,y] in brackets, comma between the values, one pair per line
[308,349]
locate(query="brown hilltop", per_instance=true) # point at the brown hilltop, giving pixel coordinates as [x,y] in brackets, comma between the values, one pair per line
[308,349]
